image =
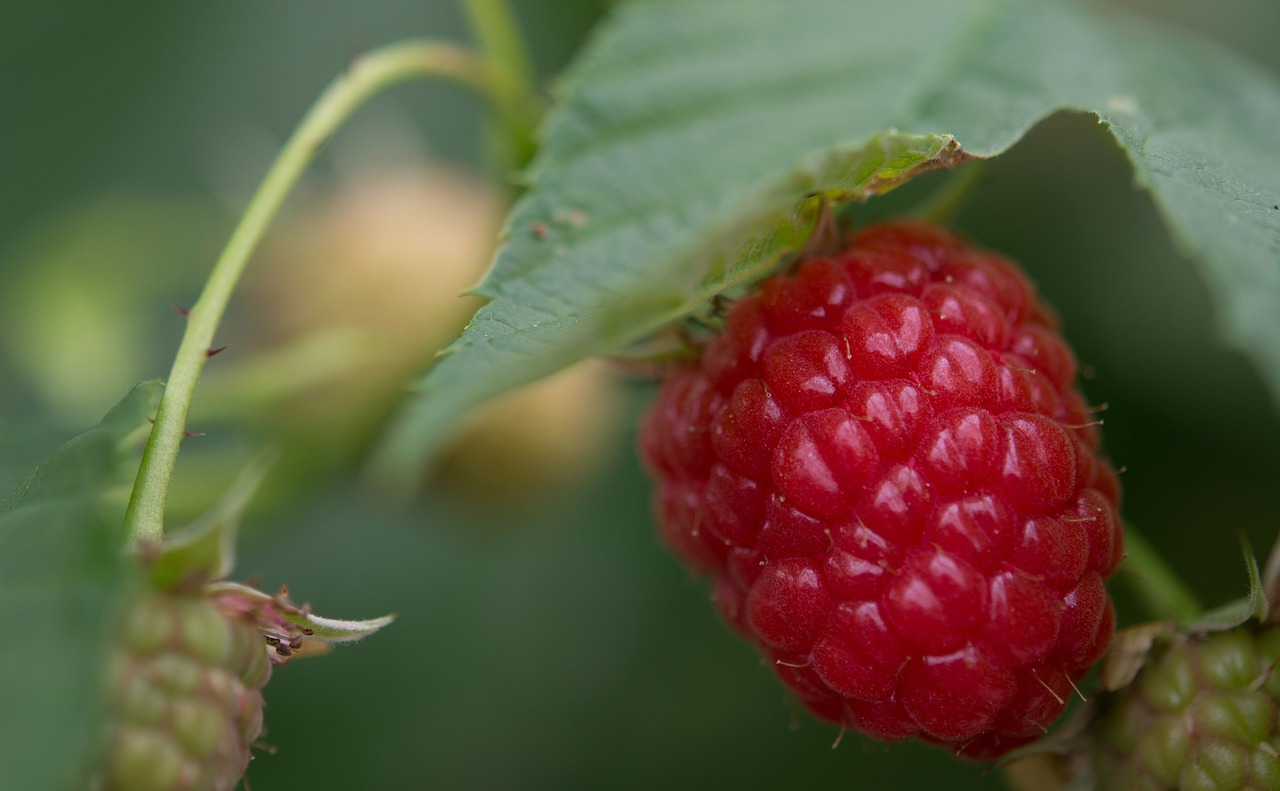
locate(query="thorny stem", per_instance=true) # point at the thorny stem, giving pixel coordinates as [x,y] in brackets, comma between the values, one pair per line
[1161,591]
[365,77]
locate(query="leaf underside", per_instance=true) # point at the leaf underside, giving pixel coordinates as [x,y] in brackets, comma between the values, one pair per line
[687,137]
[62,572]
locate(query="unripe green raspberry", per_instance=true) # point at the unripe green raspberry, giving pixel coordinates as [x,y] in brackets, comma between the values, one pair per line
[1201,715]
[184,700]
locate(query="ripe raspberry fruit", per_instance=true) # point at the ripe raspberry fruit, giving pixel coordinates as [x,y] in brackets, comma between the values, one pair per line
[884,464]
[1200,715]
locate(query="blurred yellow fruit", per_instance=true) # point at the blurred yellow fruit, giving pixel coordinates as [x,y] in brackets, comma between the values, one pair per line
[538,438]
[348,303]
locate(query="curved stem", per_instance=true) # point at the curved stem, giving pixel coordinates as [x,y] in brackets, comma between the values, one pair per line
[501,43]
[1161,591]
[499,38]
[364,78]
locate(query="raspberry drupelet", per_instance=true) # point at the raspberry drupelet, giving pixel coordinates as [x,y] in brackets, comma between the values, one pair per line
[886,468]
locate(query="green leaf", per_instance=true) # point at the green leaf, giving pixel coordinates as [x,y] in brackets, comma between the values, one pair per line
[688,136]
[205,550]
[62,569]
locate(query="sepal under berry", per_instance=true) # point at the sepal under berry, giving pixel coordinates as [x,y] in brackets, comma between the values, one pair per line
[290,630]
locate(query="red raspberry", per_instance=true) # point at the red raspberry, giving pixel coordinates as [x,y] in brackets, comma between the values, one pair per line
[884,464]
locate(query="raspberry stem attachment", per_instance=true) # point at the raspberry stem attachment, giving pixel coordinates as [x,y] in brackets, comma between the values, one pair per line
[1159,588]
[364,78]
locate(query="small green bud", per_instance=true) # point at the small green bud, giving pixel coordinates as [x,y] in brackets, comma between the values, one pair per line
[1201,714]
[144,760]
[180,714]
[1230,661]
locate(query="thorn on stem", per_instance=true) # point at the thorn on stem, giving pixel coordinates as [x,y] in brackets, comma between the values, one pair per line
[720,304]
[211,352]
[181,311]
[357,54]
[193,434]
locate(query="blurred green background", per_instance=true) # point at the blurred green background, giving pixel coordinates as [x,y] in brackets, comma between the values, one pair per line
[550,644]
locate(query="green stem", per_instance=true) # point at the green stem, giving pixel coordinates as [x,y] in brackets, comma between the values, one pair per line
[500,41]
[1161,591]
[364,78]
[942,206]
